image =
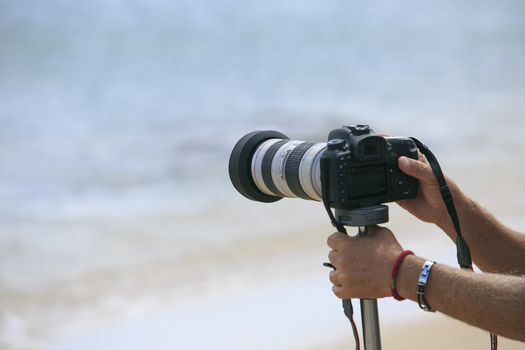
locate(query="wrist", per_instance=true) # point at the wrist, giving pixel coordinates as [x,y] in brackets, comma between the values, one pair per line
[395,272]
[408,275]
[423,279]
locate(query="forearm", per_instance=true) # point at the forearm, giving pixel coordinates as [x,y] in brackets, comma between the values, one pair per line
[492,302]
[494,247]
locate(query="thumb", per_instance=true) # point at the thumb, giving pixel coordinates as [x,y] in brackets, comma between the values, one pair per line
[415,168]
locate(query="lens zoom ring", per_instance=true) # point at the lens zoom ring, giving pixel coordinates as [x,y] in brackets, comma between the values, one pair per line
[266,168]
[292,169]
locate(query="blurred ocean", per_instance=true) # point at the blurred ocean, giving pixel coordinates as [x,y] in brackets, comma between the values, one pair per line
[117,119]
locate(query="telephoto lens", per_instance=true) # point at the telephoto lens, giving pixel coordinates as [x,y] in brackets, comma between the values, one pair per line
[266,166]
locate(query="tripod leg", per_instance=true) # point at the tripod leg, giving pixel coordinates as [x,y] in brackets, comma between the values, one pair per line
[369,315]
[370,321]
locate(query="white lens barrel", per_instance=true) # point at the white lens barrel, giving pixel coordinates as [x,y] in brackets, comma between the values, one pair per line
[279,167]
[257,161]
[288,168]
[310,171]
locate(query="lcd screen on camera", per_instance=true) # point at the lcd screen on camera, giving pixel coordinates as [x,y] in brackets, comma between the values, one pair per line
[367,181]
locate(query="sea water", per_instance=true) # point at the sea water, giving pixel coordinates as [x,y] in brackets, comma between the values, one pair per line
[117,119]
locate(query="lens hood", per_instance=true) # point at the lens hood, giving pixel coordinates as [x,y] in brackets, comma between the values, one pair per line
[240,164]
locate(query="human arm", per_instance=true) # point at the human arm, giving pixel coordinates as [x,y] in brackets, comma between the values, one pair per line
[492,302]
[494,247]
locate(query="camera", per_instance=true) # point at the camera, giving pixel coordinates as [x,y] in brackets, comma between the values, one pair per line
[355,168]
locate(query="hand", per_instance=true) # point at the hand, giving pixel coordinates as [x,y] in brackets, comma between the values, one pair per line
[363,265]
[428,205]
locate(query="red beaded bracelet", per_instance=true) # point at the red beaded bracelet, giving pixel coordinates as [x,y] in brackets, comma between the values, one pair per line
[395,270]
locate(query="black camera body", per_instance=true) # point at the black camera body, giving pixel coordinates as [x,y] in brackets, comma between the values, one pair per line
[361,168]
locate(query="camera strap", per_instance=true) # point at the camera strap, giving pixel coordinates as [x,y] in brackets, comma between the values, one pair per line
[463,250]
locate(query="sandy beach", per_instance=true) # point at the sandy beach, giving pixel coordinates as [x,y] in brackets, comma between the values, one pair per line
[434,333]
[269,289]
[258,280]
[119,225]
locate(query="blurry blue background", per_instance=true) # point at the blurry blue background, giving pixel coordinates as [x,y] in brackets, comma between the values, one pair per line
[117,119]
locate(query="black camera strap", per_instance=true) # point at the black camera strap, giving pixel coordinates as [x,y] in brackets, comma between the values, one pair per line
[463,250]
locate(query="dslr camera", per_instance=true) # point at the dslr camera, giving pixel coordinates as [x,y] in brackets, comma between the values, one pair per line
[355,168]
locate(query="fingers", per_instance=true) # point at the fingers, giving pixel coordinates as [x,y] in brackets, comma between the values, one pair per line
[420,169]
[336,240]
[334,278]
[339,292]
[335,275]
[332,257]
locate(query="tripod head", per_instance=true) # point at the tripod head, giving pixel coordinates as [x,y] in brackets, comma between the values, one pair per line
[362,217]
